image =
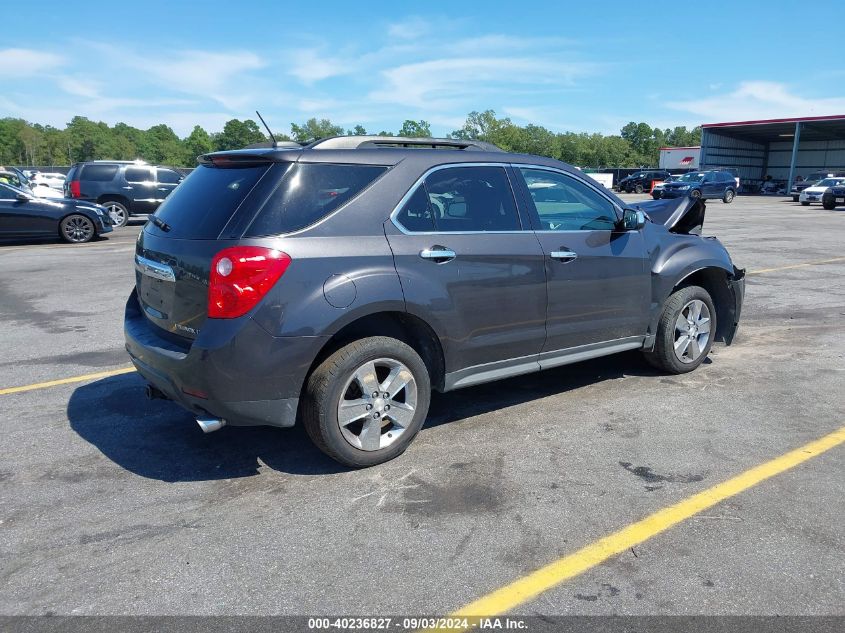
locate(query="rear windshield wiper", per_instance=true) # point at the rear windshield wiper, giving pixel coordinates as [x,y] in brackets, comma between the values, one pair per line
[164,226]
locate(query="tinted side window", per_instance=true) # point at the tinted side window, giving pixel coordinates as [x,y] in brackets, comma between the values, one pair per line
[564,203]
[167,176]
[472,199]
[138,174]
[309,192]
[416,215]
[97,173]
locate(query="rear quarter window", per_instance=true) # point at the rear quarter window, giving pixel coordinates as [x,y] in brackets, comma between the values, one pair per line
[97,173]
[309,192]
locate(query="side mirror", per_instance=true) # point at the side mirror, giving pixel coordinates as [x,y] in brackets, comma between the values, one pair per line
[23,197]
[632,220]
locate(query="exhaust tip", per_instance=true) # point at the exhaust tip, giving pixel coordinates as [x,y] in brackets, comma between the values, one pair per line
[209,425]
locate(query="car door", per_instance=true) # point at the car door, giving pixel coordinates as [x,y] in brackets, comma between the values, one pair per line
[599,288]
[468,266]
[166,182]
[141,189]
[24,218]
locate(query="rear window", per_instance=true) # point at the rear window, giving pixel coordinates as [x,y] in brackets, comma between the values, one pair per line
[309,192]
[97,173]
[203,203]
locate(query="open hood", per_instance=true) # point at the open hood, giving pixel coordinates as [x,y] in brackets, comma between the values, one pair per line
[679,215]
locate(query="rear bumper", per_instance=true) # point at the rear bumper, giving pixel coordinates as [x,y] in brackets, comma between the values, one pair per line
[247,376]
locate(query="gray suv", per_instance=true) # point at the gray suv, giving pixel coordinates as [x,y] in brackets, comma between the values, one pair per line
[341,282]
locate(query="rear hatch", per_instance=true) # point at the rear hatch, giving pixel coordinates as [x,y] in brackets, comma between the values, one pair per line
[205,213]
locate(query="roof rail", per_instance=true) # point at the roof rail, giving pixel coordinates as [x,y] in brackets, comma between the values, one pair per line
[371,142]
[276,145]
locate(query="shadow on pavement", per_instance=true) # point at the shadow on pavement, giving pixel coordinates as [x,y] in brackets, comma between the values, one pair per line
[159,440]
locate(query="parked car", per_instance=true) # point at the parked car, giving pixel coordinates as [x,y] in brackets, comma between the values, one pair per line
[55,180]
[124,188]
[641,181]
[657,190]
[800,185]
[357,274]
[23,216]
[702,184]
[833,197]
[816,191]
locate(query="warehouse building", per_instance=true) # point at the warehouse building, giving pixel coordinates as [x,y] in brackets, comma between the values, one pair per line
[781,148]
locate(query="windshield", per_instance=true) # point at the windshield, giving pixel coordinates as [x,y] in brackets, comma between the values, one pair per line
[828,182]
[693,177]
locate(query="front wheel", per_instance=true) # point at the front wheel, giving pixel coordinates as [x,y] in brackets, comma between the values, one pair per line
[804,203]
[728,197]
[695,193]
[656,195]
[829,203]
[685,331]
[366,402]
[77,229]
[638,188]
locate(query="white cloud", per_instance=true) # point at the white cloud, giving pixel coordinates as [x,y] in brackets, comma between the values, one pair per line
[409,29]
[310,66]
[80,87]
[24,62]
[453,82]
[759,100]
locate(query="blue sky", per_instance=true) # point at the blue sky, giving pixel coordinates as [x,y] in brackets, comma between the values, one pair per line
[587,67]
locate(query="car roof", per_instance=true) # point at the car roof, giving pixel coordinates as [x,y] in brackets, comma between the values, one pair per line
[386,150]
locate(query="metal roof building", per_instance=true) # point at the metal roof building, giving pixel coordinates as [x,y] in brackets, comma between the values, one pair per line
[781,148]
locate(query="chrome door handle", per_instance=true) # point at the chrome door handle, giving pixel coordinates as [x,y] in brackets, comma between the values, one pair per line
[564,256]
[439,254]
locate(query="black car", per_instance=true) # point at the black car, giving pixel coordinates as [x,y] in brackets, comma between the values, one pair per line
[833,197]
[23,216]
[705,185]
[340,283]
[124,188]
[642,181]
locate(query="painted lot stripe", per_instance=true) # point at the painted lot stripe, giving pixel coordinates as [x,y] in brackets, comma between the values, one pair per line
[67,381]
[802,265]
[529,587]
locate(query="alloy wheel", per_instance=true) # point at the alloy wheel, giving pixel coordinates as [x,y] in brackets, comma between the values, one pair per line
[692,331]
[78,229]
[117,213]
[377,404]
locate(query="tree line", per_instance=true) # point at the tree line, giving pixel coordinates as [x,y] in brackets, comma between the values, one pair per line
[25,143]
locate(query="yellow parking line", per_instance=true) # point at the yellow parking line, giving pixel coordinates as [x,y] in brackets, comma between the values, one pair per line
[67,381]
[771,270]
[553,574]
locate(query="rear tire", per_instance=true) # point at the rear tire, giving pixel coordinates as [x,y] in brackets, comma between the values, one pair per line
[795,198]
[638,188]
[77,229]
[370,428]
[728,197]
[685,331]
[695,193]
[806,204]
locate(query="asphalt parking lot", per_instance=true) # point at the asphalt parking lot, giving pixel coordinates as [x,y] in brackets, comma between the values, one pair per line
[111,504]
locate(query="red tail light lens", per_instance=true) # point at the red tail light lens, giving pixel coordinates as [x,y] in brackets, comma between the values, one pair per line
[240,277]
[75,191]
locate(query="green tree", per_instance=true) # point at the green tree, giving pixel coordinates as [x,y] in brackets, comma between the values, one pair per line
[197,143]
[238,134]
[313,129]
[162,146]
[358,130]
[415,128]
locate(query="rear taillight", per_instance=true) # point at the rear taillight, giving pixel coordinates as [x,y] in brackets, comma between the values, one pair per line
[75,191]
[240,277]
